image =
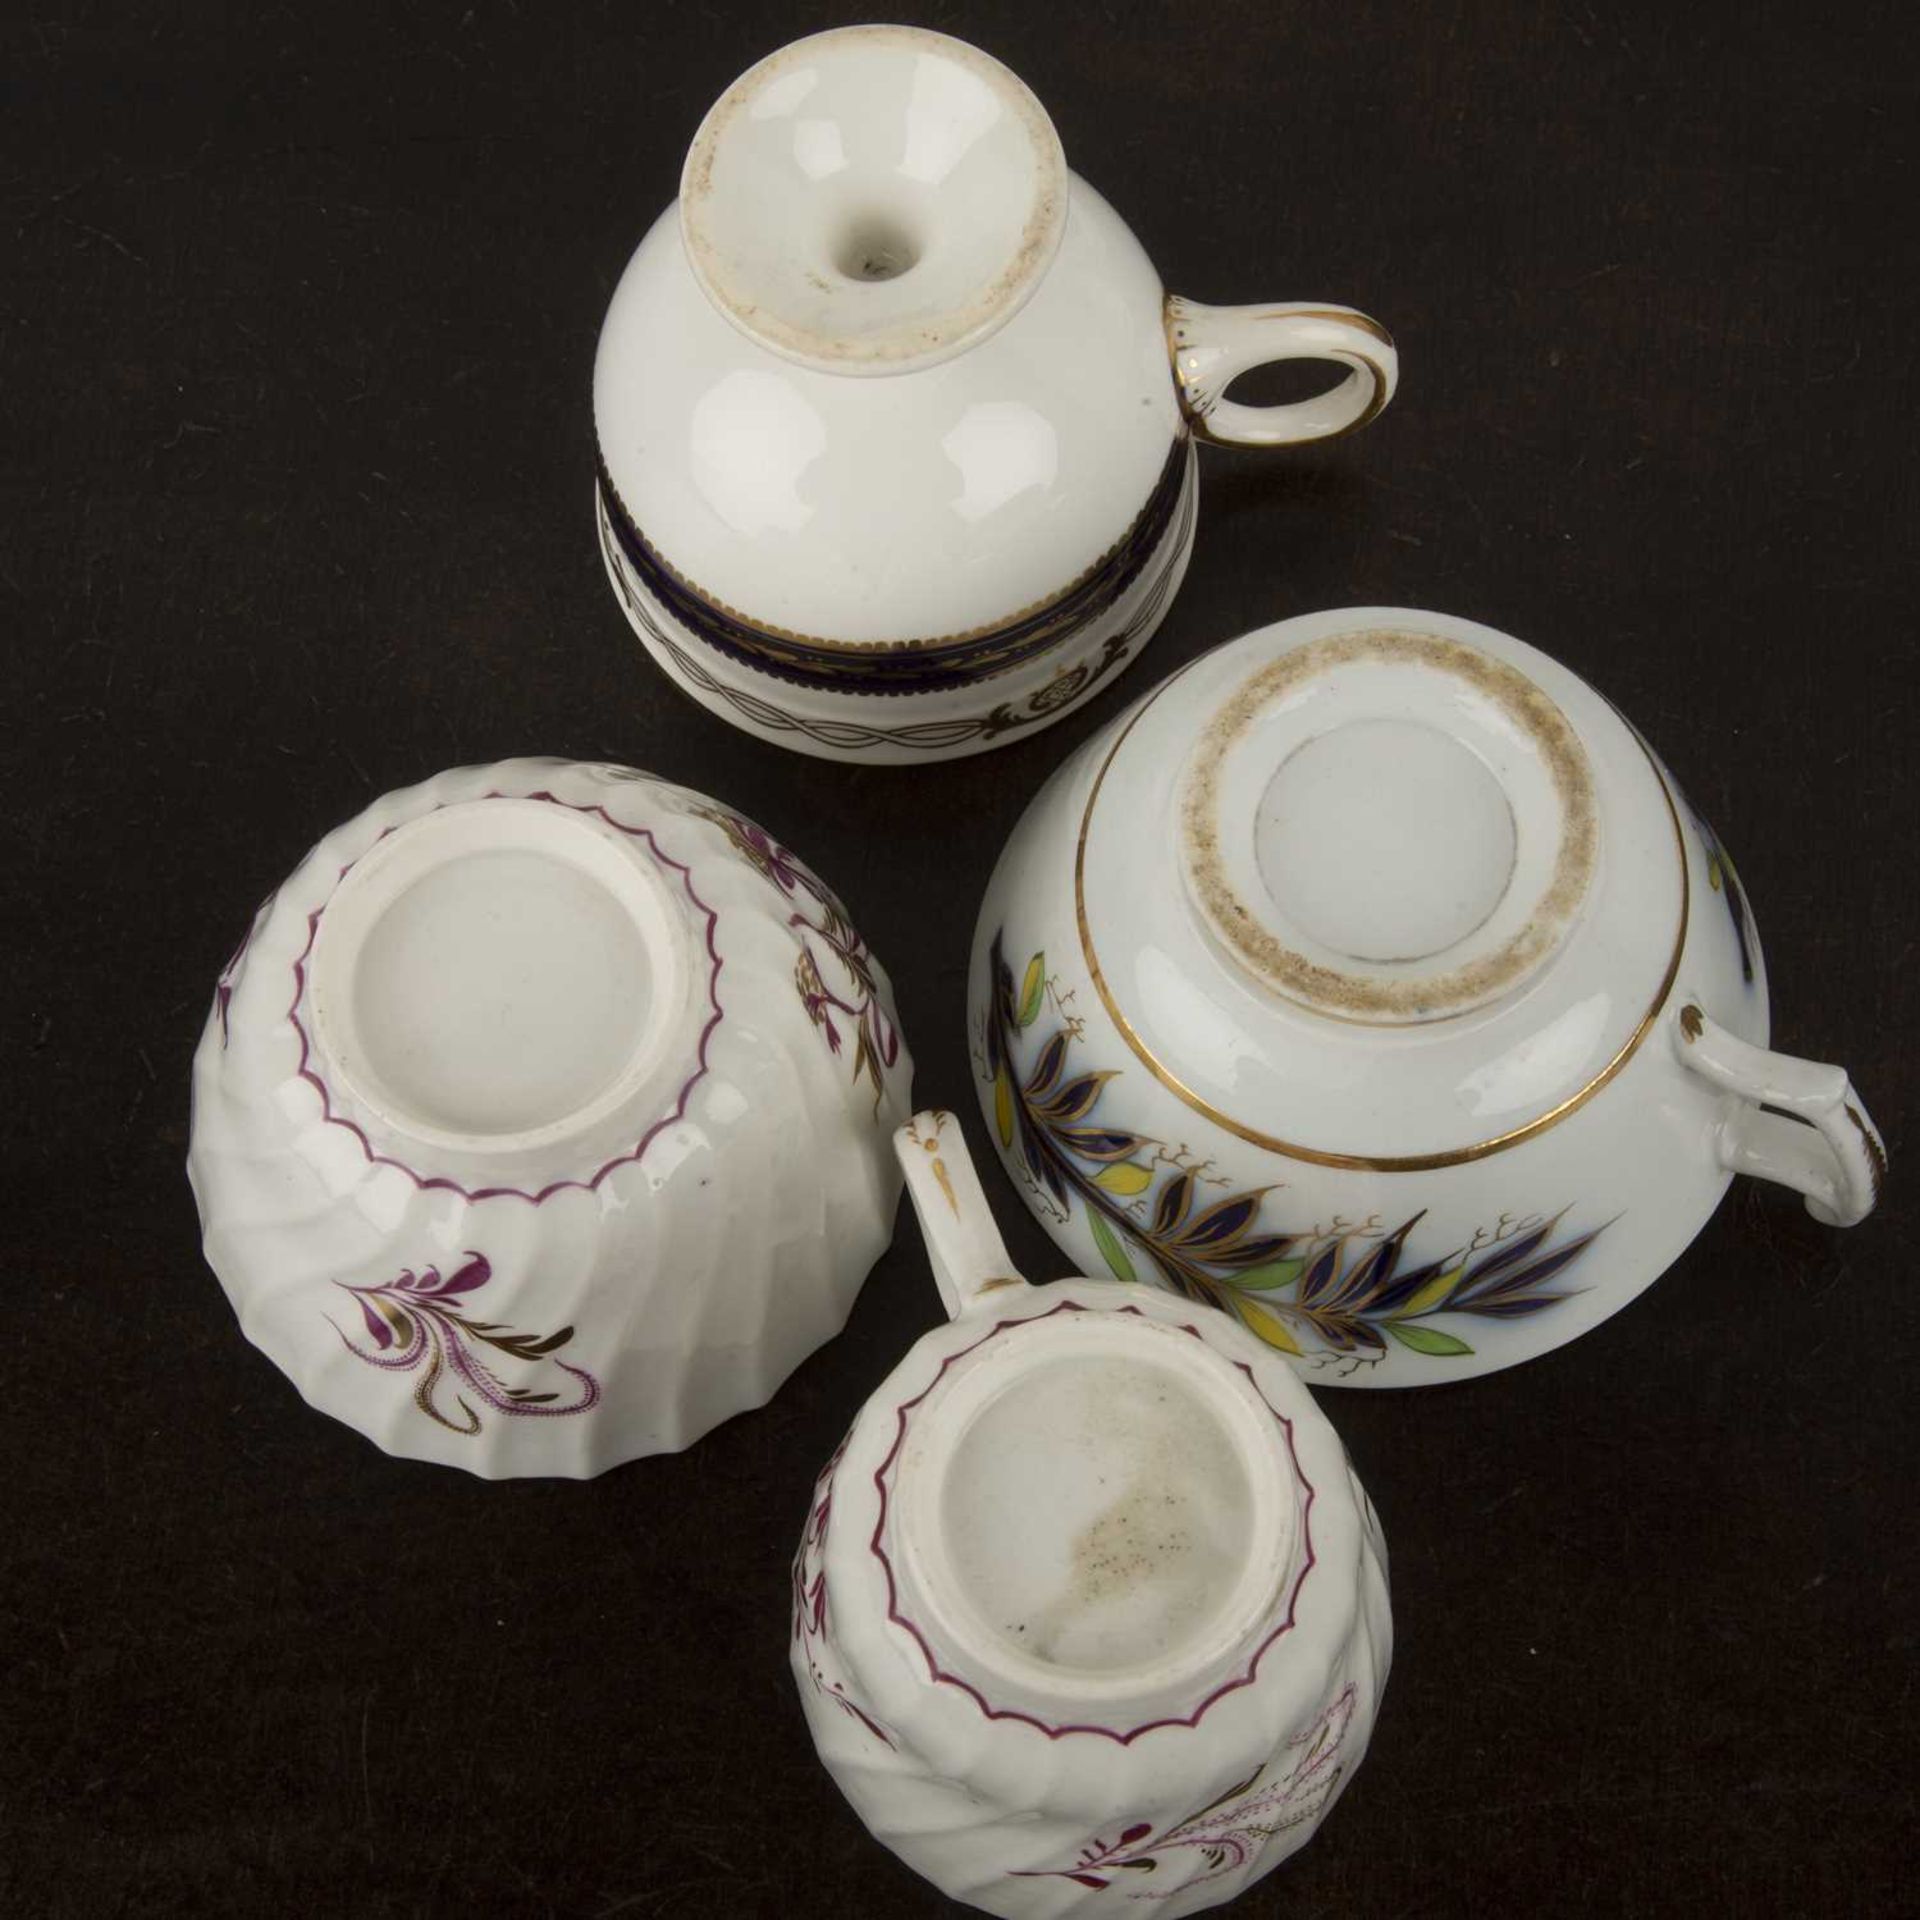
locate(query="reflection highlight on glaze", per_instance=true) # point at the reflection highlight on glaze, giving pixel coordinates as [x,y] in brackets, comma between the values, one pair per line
[1222,1055]
[1533,1072]
[752,437]
[1172,1002]
[1002,448]
[784,95]
[818,150]
[948,112]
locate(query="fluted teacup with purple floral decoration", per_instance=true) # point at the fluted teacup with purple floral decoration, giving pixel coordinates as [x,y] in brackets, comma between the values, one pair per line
[542,1118]
[1090,1606]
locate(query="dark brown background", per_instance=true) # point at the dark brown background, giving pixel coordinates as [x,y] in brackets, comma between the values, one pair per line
[297,312]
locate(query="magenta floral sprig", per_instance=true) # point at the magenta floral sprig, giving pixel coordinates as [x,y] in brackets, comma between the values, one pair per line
[876,1041]
[223,988]
[810,1602]
[413,1324]
[1230,1831]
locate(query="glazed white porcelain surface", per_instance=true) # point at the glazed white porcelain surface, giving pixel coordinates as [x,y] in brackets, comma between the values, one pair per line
[1090,1605]
[895,417]
[542,1118]
[1371,978]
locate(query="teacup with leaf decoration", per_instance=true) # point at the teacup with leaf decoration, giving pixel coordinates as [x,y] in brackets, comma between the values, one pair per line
[1374,980]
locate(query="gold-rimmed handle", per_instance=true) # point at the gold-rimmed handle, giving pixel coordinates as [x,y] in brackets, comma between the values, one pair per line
[969,1258]
[1818,1138]
[1213,346]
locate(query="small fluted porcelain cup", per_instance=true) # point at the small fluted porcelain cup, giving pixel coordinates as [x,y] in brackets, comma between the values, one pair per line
[896,421]
[542,1119]
[1090,1605]
[1374,980]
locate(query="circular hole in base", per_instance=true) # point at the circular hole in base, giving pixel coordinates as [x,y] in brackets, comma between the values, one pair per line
[875,247]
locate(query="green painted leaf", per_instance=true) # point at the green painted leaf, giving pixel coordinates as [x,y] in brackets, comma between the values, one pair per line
[1268,1325]
[1031,990]
[1111,1251]
[1124,1177]
[1003,1106]
[1431,1340]
[1270,1278]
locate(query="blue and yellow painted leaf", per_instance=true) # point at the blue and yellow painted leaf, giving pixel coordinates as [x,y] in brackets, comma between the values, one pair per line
[1171,1203]
[1223,1224]
[1268,1325]
[1337,1291]
[1075,1100]
[1046,1069]
[1104,1143]
[1426,1298]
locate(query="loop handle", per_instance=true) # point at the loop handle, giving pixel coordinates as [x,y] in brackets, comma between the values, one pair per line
[1213,346]
[969,1258]
[1828,1150]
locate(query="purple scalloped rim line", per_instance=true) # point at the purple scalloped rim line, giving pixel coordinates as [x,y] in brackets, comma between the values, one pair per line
[939,1674]
[428,1183]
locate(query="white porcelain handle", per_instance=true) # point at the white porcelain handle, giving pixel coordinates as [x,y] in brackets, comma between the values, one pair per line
[1836,1158]
[1213,346]
[969,1258]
